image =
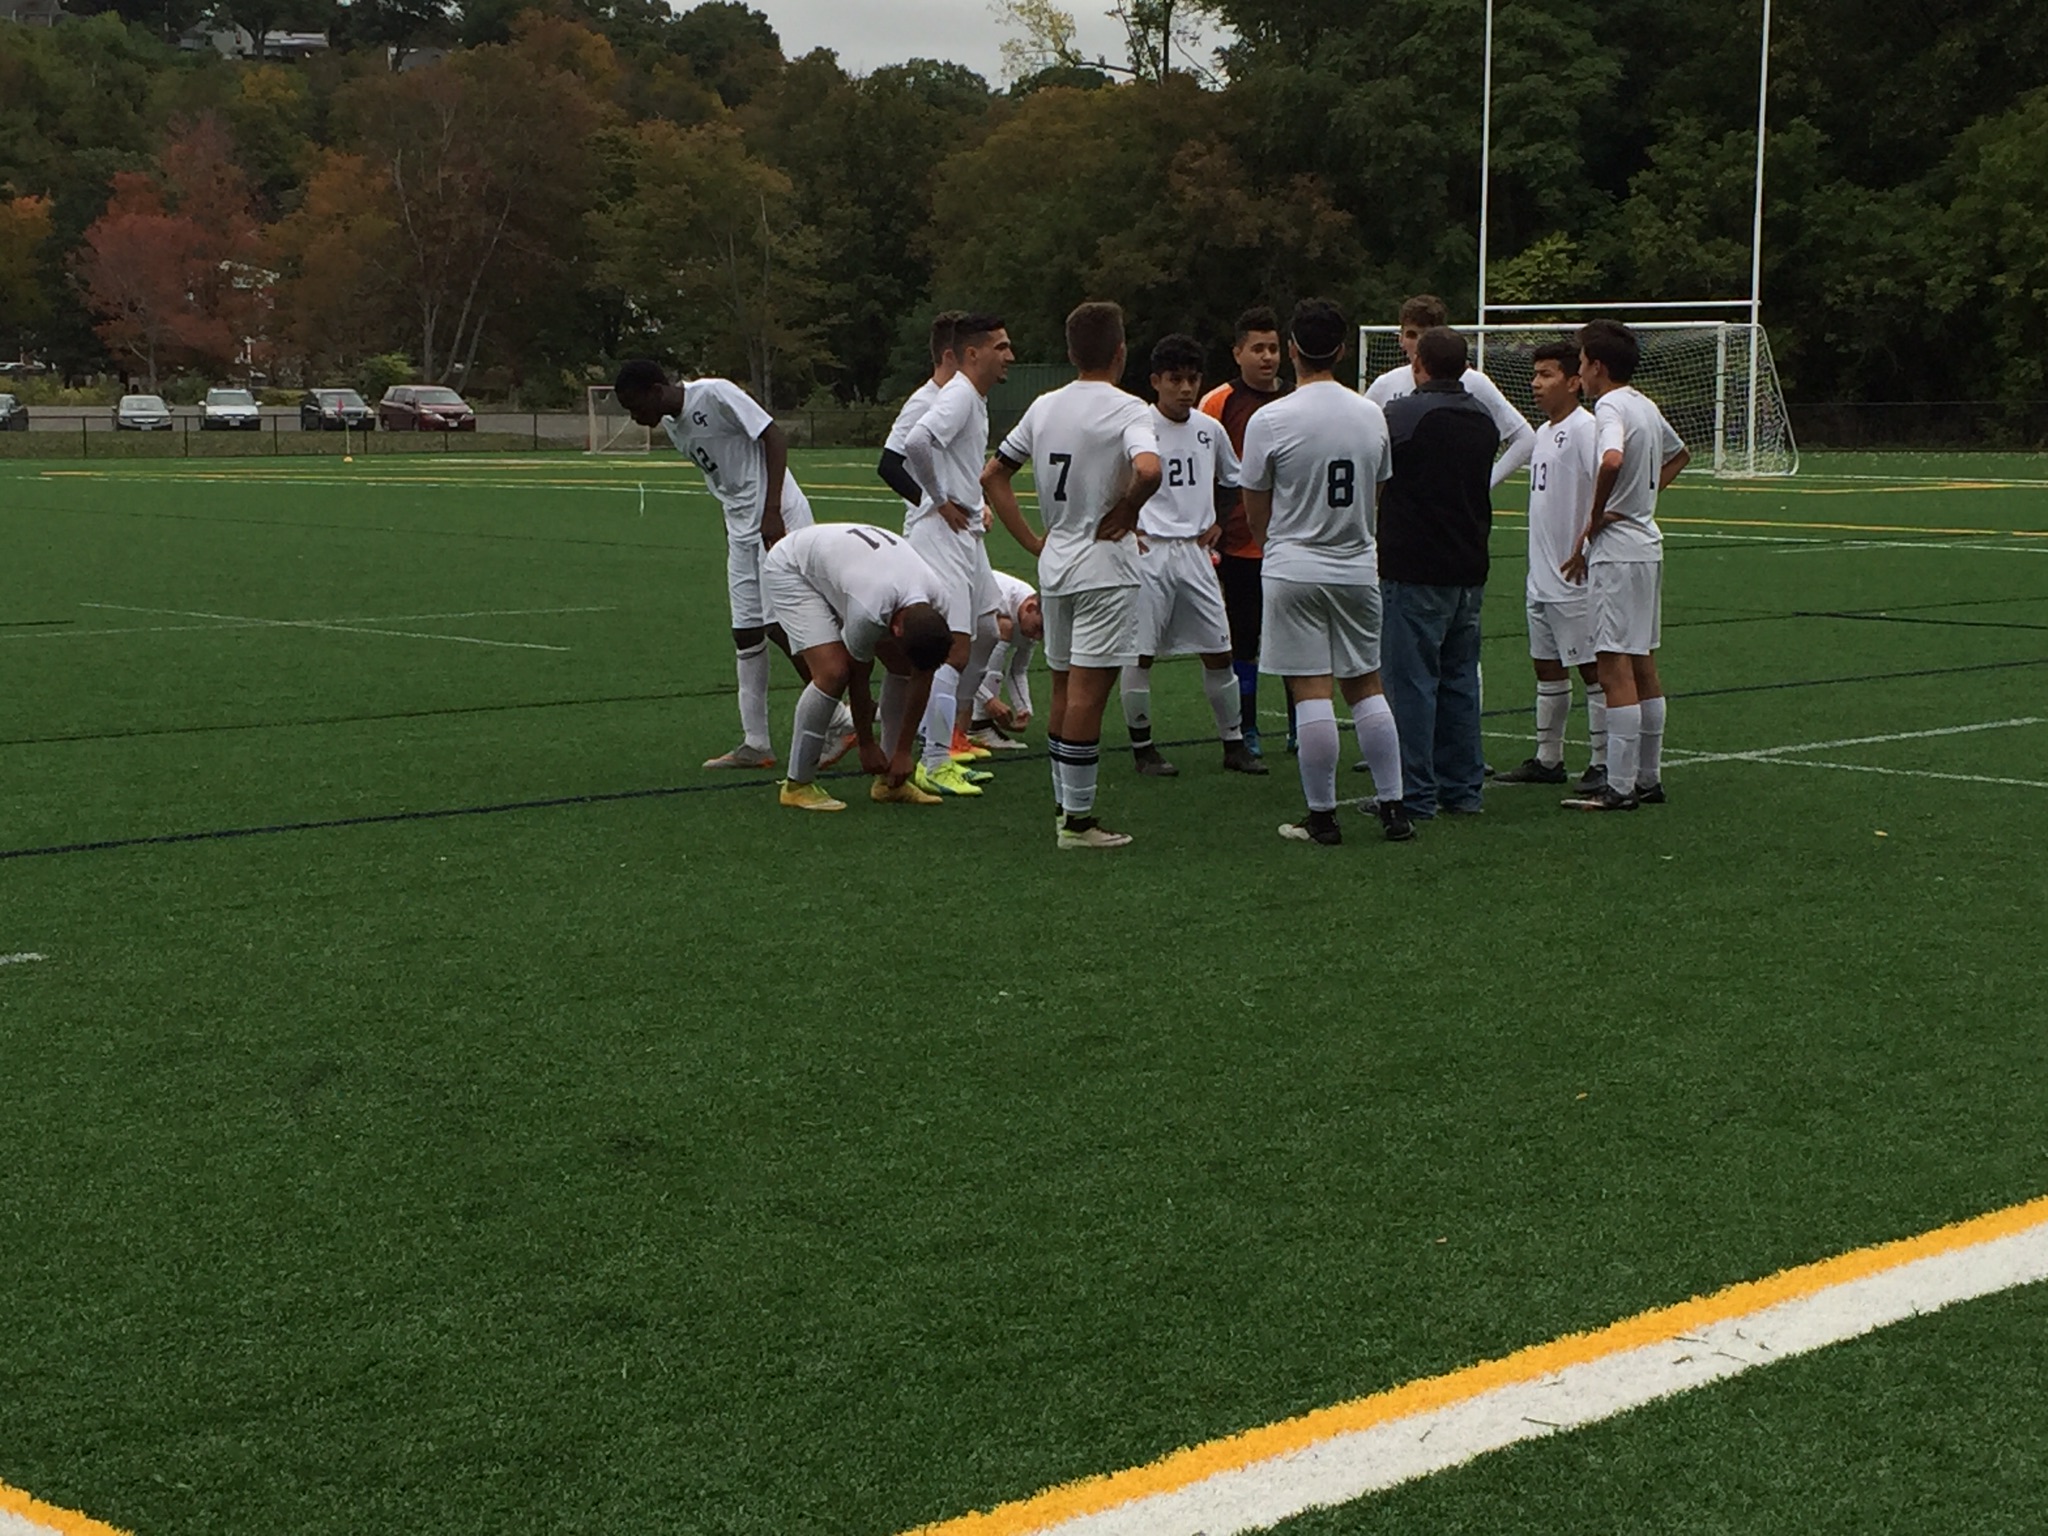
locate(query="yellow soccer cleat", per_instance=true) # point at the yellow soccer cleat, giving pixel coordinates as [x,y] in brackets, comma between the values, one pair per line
[965,749]
[949,780]
[808,797]
[882,792]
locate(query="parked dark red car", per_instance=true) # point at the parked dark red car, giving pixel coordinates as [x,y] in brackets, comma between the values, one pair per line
[424,408]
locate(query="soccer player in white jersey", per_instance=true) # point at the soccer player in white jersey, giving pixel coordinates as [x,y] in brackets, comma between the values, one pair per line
[1180,599]
[1620,556]
[849,594]
[894,472]
[1095,460]
[1019,622]
[745,459]
[1313,466]
[944,453]
[1561,474]
[1425,312]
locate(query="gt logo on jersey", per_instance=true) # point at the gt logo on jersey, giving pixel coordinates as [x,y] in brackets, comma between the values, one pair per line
[700,418]
[1559,439]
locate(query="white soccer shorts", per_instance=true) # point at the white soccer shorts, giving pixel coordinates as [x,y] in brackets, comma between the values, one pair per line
[1091,629]
[752,608]
[1312,630]
[801,608]
[1180,601]
[957,559]
[1562,632]
[1628,606]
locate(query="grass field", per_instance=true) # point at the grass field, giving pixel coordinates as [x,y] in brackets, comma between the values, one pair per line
[443,1108]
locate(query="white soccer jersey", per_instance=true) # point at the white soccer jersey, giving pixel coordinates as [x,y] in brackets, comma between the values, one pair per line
[1079,441]
[1629,421]
[1195,457]
[1560,500]
[1011,592]
[865,573]
[1323,452]
[719,429]
[1515,439]
[910,414]
[946,449]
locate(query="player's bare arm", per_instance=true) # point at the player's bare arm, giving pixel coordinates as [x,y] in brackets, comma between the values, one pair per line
[775,465]
[996,485]
[1672,469]
[1604,480]
[1122,518]
[860,699]
[1258,513]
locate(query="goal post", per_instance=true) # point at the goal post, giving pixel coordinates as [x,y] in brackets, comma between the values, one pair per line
[610,429]
[1714,380]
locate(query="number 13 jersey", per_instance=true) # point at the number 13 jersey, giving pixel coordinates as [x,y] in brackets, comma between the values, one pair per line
[1323,452]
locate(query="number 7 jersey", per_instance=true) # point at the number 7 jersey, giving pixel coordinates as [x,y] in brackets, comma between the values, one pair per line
[1323,452]
[1079,442]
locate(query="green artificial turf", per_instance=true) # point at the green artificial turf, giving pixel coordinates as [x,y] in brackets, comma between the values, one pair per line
[653,1158]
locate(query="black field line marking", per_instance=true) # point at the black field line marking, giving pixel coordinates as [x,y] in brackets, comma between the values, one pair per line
[1876,616]
[34,623]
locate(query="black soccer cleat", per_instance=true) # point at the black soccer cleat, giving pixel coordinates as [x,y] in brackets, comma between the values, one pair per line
[1533,771]
[1152,765]
[1239,758]
[1605,798]
[1650,794]
[1594,776]
[1315,827]
[1395,822]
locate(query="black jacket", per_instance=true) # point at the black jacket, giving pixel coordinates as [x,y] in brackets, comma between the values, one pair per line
[1437,512]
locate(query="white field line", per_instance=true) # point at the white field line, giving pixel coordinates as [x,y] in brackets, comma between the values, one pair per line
[343,627]
[26,957]
[1830,546]
[1900,773]
[1766,754]
[181,629]
[1347,1467]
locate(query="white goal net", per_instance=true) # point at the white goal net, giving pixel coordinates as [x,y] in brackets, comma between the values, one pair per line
[611,430]
[1698,371]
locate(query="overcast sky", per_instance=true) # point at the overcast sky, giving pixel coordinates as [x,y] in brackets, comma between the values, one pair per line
[867,34]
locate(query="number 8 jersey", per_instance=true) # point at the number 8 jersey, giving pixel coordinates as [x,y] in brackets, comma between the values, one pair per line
[1079,441]
[1323,452]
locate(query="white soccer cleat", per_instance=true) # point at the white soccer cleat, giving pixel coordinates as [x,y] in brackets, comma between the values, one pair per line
[743,756]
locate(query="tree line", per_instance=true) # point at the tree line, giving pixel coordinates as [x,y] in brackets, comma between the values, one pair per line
[513,196]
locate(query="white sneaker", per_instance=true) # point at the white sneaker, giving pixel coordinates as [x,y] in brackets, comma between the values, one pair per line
[1091,836]
[995,741]
[743,756]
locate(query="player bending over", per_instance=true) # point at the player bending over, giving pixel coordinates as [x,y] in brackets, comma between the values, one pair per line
[1180,600]
[1095,460]
[1561,475]
[943,453]
[1018,624]
[1313,465]
[1620,556]
[849,594]
[745,459]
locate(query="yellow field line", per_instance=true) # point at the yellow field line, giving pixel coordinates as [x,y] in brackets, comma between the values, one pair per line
[66,1522]
[1094,1495]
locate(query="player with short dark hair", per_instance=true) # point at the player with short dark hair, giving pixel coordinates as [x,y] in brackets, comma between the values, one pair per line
[1420,315]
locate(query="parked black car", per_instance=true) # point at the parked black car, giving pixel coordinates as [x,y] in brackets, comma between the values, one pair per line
[13,415]
[424,408]
[330,410]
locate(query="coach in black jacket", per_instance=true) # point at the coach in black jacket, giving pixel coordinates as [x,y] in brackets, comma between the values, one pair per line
[1435,517]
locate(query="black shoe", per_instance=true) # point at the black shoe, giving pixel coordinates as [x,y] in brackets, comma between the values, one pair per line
[1361,766]
[1239,758]
[1533,772]
[1394,820]
[1652,794]
[1152,765]
[1605,798]
[1489,770]
[1595,777]
[1463,810]
[1315,827]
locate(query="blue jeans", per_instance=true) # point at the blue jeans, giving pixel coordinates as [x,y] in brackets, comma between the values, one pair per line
[1429,665]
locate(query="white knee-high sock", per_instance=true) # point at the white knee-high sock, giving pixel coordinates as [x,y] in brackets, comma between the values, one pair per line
[1315,733]
[1624,743]
[753,670]
[1553,704]
[1056,755]
[938,716]
[1134,686]
[1084,759]
[985,642]
[1379,743]
[1596,723]
[893,705]
[1650,760]
[1225,702]
[814,711]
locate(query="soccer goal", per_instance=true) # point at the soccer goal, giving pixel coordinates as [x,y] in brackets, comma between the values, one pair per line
[611,430]
[1698,372]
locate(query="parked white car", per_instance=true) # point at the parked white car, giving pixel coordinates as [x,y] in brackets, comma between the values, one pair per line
[231,410]
[142,413]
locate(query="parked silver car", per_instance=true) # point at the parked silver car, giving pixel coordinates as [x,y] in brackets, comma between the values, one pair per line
[13,415]
[142,413]
[231,410]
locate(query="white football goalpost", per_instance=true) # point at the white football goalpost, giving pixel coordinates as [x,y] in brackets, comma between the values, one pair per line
[610,429]
[1710,371]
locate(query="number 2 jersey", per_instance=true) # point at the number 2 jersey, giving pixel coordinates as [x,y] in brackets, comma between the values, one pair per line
[1323,452]
[719,430]
[1079,441]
